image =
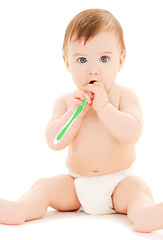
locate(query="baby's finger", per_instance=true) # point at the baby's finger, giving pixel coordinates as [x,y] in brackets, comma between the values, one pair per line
[79,96]
[90,94]
[94,89]
[99,84]
[87,97]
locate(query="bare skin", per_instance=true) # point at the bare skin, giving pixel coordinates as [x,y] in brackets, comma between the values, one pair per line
[114,155]
[58,193]
[113,117]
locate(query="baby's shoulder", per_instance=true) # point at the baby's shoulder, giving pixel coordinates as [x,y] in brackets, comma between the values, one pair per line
[119,94]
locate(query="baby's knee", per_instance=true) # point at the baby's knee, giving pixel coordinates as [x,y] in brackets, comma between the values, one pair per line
[41,183]
[127,190]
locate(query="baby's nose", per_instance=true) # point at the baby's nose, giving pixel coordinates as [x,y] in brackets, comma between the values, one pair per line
[93,71]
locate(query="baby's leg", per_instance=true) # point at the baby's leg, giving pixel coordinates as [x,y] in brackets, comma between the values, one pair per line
[58,192]
[133,197]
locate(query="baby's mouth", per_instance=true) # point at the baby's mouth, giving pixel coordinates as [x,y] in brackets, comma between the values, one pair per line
[92,81]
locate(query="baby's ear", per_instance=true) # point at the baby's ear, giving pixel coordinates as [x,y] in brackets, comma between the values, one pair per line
[66,62]
[122,58]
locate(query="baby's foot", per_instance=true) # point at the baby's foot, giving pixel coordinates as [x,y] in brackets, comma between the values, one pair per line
[149,219]
[10,213]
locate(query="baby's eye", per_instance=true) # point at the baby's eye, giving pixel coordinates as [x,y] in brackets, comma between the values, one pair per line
[104,59]
[82,60]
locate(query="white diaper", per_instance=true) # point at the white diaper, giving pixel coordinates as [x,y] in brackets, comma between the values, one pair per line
[95,193]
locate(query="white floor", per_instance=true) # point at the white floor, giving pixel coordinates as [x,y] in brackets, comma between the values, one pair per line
[76,226]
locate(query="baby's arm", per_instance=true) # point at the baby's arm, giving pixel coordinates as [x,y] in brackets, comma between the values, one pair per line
[124,124]
[60,117]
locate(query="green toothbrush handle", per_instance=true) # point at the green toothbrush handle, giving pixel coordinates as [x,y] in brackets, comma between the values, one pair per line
[64,130]
[74,116]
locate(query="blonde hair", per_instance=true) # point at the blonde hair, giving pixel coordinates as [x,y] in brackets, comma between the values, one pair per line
[88,23]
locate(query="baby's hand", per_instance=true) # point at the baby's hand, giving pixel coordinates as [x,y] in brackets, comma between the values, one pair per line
[78,97]
[99,93]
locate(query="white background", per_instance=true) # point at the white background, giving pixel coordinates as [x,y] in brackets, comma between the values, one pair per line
[33,75]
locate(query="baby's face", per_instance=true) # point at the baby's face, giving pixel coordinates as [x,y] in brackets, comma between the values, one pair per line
[99,60]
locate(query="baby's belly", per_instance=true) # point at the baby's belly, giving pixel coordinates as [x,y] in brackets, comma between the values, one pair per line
[99,154]
[94,151]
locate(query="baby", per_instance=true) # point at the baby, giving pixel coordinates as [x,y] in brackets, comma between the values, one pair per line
[101,140]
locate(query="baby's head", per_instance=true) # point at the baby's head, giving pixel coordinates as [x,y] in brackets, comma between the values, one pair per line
[93,32]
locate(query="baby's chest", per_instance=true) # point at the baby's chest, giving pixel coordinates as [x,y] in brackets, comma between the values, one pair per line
[92,131]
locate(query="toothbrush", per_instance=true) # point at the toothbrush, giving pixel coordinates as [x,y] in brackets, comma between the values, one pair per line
[70,121]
